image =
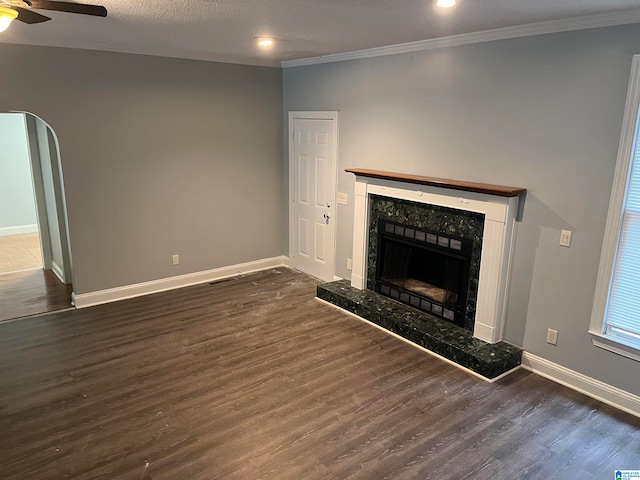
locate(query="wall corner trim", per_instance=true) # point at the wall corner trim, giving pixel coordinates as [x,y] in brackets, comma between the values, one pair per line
[540,28]
[616,397]
[99,297]
[58,271]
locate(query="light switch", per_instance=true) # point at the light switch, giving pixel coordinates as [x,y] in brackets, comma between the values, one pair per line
[343,198]
[565,238]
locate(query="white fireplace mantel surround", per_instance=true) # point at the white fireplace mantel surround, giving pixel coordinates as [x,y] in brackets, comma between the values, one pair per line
[498,204]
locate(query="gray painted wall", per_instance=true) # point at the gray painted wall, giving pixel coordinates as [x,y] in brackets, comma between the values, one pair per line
[159,156]
[542,113]
[17,203]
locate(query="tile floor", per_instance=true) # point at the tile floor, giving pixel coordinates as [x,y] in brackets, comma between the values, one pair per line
[20,252]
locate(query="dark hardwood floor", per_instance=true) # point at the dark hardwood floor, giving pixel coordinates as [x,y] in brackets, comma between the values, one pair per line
[252,378]
[30,292]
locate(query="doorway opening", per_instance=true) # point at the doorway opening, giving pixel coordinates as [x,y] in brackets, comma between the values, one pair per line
[19,233]
[36,274]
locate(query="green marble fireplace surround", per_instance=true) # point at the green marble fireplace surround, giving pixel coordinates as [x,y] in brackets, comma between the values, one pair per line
[449,221]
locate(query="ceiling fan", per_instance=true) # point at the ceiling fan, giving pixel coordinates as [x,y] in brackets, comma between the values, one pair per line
[21,10]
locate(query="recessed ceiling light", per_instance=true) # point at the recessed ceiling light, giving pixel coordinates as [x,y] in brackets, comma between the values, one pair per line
[264,42]
[446,3]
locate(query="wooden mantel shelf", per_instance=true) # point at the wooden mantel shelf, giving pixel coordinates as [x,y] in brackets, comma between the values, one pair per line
[498,190]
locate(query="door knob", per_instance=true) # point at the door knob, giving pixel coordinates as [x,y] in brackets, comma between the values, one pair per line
[326,217]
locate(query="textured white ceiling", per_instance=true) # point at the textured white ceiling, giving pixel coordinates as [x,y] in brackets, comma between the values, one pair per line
[224,30]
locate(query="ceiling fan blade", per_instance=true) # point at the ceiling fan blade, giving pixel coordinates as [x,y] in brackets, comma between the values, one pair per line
[29,16]
[69,7]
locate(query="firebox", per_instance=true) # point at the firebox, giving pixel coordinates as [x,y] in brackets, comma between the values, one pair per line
[425,269]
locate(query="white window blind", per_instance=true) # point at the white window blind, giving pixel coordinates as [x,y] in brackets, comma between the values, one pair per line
[623,310]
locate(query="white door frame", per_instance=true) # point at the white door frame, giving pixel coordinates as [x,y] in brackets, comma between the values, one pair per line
[312,115]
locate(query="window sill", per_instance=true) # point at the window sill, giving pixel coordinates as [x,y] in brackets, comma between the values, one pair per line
[615,345]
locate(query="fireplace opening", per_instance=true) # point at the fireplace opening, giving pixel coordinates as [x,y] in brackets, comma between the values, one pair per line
[424,269]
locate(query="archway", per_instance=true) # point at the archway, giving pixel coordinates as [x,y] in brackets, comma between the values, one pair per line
[50,288]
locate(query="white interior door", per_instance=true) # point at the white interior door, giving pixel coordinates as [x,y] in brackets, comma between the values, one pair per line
[314,186]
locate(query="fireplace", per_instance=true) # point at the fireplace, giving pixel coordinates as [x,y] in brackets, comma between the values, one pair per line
[424,269]
[452,241]
[426,256]
[431,265]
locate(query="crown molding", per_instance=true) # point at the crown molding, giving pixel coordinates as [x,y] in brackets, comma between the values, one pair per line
[528,30]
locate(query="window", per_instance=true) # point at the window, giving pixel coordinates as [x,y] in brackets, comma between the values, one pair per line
[615,321]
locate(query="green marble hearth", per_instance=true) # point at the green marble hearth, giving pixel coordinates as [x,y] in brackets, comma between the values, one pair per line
[438,336]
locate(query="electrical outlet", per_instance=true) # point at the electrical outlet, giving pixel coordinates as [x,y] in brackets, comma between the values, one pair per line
[552,336]
[175,259]
[343,198]
[349,264]
[565,238]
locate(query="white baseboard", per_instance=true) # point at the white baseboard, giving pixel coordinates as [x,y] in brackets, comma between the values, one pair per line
[83,300]
[591,387]
[20,229]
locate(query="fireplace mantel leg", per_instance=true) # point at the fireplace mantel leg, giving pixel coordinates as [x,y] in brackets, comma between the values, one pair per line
[360,234]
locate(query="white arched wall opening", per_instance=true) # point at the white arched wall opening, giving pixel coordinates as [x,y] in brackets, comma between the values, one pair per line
[48,183]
